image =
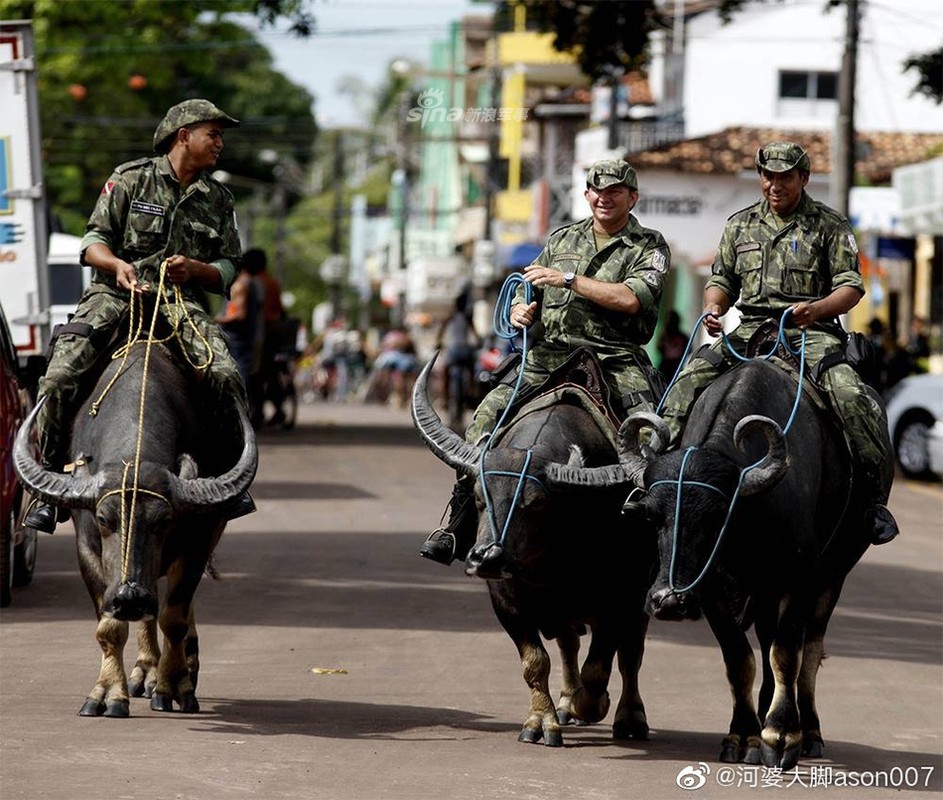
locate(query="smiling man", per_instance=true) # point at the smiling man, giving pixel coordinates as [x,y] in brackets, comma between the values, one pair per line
[166,209]
[598,284]
[791,253]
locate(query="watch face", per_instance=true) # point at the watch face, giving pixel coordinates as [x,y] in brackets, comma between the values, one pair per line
[568,279]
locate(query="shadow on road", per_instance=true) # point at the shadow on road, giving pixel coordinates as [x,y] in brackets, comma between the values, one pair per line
[376,580]
[341,719]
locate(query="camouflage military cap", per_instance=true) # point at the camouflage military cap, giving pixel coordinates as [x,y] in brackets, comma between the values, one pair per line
[611,172]
[186,113]
[782,157]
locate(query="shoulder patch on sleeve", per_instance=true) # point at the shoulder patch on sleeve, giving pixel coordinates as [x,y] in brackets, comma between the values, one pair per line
[743,210]
[852,243]
[659,261]
[129,165]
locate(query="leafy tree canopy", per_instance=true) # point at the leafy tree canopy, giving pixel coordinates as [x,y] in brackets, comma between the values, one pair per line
[608,36]
[108,71]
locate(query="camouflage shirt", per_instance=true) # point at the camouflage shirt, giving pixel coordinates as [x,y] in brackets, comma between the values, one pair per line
[143,215]
[636,256]
[770,268]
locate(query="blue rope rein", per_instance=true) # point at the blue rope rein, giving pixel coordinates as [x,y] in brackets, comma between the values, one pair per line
[680,483]
[504,329]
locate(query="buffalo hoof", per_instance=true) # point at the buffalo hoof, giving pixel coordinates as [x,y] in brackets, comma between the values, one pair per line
[118,708]
[92,708]
[136,688]
[785,758]
[553,739]
[530,736]
[189,704]
[753,756]
[623,729]
[160,701]
[564,717]
[730,753]
[813,749]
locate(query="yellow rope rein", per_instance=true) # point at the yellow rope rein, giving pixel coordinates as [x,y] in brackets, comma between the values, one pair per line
[134,337]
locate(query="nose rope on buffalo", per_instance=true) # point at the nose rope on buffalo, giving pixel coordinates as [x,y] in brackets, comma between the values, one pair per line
[681,483]
[134,337]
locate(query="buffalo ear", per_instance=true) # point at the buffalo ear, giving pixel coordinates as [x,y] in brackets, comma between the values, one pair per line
[187,468]
[638,509]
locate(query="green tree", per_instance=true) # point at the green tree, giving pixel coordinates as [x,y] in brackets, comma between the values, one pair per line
[608,36]
[109,70]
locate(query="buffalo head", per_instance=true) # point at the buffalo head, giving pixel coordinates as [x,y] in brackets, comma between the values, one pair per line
[689,499]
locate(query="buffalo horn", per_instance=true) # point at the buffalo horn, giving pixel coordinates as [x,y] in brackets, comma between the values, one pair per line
[56,488]
[206,494]
[445,443]
[635,456]
[771,468]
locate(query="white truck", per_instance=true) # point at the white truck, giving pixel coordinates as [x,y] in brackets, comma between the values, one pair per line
[40,284]
[40,278]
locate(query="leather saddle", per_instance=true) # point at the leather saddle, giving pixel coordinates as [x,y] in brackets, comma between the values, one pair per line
[580,374]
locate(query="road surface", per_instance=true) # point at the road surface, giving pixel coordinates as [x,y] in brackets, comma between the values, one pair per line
[337,665]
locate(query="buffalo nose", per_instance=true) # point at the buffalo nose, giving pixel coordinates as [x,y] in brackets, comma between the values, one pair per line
[488,563]
[666,604]
[132,602]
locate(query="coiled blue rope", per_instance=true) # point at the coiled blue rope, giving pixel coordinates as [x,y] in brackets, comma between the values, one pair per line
[504,329]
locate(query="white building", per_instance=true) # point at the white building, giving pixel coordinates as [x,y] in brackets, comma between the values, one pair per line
[777,65]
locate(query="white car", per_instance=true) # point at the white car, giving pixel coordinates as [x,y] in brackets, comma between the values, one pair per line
[914,406]
[935,449]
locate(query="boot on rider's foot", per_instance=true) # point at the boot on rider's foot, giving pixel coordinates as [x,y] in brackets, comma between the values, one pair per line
[44,517]
[453,541]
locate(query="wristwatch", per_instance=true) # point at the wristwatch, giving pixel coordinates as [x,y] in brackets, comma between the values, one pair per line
[568,278]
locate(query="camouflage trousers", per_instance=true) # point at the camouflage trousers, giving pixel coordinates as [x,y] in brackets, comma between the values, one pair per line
[623,376]
[862,417]
[68,378]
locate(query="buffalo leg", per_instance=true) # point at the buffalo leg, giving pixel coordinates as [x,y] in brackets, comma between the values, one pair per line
[144,675]
[541,722]
[742,742]
[782,737]
[109,696]
[813,651]
[630,721]
[173,674]
[568,643]
[591,701]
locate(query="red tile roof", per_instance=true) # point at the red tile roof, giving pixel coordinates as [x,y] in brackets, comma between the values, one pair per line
[733,150]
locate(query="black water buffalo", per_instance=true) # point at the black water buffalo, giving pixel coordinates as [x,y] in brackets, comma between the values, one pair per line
[131,529]
[766,528]
[551,492]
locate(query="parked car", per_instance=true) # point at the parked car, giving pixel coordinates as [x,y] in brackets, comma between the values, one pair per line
[935,448]
[914,406]
[17,544]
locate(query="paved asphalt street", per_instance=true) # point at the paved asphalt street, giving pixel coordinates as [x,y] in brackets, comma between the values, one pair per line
[337,665]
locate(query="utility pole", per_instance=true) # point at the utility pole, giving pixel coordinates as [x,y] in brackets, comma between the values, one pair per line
[843,158]
[337,216]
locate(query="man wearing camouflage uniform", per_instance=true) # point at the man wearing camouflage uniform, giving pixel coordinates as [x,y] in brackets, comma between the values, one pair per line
[599,284]
[789,251]
[161,210]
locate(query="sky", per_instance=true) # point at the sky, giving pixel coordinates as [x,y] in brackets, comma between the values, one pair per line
[360,38]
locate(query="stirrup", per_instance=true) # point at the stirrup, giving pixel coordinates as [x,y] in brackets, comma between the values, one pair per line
[439,546]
